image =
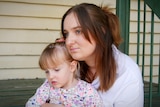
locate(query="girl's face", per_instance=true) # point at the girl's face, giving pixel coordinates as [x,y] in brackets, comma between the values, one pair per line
[62,76]
[78,46]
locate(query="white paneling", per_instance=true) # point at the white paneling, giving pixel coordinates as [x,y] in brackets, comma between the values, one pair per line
[147,60]
[155,71]
[19,62]
[133,38]
[134,16]
[21,49]
[29,23]
[133,27]
[32,10]
[66,2]
[133,49]
[21,73]
[154,79]
[28,36]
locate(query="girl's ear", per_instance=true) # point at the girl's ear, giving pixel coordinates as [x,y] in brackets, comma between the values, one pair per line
[73,65]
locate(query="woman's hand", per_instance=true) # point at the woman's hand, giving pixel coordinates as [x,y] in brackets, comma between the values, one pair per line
[51,105]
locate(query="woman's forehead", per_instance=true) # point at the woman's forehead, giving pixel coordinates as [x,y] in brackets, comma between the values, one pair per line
[71,21]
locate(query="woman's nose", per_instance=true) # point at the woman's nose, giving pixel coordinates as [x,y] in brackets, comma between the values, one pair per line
[70,39]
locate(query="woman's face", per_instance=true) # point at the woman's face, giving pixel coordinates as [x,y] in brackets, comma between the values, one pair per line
[78,46]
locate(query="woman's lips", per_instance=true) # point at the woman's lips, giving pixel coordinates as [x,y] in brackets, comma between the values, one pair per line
[73,50]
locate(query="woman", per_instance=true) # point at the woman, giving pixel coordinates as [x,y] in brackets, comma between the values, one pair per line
[92,36]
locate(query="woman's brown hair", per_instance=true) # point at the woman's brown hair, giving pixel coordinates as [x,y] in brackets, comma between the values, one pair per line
[103,26]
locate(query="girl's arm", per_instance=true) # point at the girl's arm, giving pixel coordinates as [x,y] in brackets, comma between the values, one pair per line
[40,97]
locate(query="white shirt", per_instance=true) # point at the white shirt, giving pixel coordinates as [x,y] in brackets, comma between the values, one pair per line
[127,90]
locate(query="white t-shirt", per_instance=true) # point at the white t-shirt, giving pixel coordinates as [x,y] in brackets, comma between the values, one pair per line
[127,90]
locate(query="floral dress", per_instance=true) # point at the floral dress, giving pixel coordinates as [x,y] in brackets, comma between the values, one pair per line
[82,95]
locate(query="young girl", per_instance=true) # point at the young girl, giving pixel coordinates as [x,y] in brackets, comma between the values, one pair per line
[62,86]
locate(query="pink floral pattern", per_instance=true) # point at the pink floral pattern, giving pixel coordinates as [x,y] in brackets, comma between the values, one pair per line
[82,95]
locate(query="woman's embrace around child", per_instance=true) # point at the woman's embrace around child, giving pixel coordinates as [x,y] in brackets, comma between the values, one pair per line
[92,37]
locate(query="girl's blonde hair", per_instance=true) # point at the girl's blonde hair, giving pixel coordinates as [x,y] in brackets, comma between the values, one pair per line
[55,54]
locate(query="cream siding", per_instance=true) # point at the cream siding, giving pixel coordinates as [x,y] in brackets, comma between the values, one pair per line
[26,27]
[133,39]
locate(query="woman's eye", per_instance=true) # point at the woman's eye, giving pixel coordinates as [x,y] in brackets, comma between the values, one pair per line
[65,35]
[78,31]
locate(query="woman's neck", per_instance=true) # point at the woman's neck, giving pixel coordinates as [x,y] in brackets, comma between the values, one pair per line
[92,69]
[92,72]
[91,65]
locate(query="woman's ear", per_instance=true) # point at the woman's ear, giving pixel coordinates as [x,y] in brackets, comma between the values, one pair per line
[73,65]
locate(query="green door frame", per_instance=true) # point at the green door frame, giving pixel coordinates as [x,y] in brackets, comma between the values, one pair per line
[123,12]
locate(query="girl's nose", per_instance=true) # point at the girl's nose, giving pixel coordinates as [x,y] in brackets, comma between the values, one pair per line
[51,75]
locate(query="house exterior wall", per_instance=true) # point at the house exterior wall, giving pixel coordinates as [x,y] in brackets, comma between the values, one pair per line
[26,27]
[133,40]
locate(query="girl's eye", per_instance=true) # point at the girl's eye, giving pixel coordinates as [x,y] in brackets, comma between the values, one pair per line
[56,69]
[47,72]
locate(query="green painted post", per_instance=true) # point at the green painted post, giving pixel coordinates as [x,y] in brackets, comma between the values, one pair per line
[138,32]
[154,5]
[144,39]
[151,59]
[123,12]
[159,72]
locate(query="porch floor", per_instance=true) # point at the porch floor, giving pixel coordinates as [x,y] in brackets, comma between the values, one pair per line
[15,93]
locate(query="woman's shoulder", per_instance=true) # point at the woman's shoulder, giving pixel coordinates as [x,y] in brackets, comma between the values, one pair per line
[126,66]
[124,62]
[122,58]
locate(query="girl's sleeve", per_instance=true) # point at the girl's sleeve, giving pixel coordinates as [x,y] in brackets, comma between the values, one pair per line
[40,97]
[32,102]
